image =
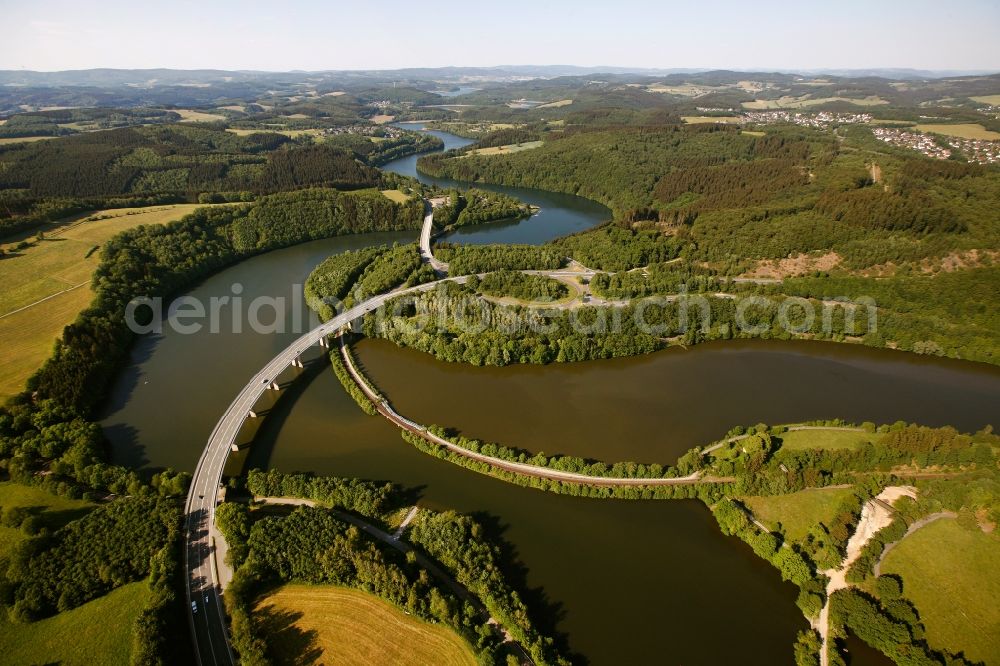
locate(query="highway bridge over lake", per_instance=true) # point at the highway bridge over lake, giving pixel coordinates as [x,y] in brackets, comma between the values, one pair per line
[207,614]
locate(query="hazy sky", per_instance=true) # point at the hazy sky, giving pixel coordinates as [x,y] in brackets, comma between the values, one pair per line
[317,34]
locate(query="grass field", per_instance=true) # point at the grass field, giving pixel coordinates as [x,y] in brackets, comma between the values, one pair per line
[987,99]
[313,624]
[45,285]
[555,105]
[96,633]
[952,574]
[506,150]
[192,116]
[962,131]
[289,133]
[8,140]
[753,133]
[53,511]
[805,101]
[796,440]
[693,120]
[798,512]
[899,123]
[685,89]
[396,195]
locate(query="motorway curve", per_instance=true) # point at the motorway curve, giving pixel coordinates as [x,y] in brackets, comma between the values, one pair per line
[207,615]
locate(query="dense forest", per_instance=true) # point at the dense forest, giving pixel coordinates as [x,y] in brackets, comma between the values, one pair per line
[471,259]
[475,206]
[117,542]
[136,166]
[379,150]
[717,194]
[617,247]
[317,545]
[332,280]
[455,325]
[283,219]
[110,546]
[463,327]
[518,285]
[353,277]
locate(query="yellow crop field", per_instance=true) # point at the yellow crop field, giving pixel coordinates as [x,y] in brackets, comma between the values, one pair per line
[396,195]
[289,133]
[555,105]
[987,99]
[685,90]
[347,627]
[192,116]
[506,150]
[694,120]
[23,139]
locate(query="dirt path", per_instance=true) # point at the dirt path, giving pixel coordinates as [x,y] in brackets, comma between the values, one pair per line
[874,517]
[406,521]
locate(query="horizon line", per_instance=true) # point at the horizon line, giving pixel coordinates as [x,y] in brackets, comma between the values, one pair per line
[592,68]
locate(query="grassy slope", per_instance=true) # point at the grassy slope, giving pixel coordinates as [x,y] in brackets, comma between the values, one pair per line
[47,268]
[328,624]
[952,574]
[98,632]
[962,131]
[797,512]
[397,196]
[510,148]
[53,511]
[825,439]
[8,140]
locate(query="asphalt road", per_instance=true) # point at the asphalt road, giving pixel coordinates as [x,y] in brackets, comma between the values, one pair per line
[207,616]
[208,623]
[425,245]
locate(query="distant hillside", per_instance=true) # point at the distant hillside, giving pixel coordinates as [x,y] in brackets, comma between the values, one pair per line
[104,78]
